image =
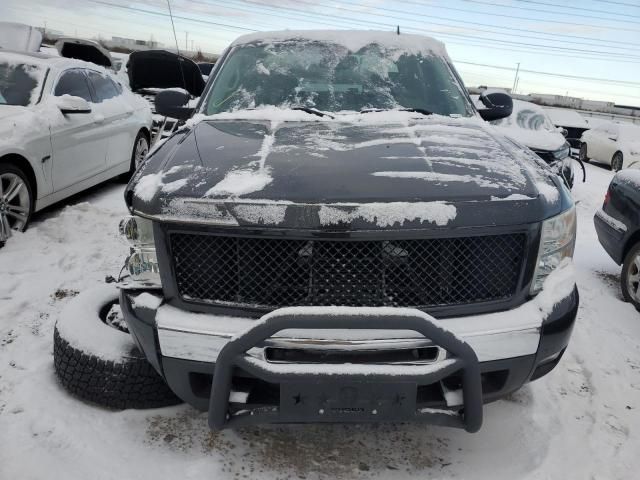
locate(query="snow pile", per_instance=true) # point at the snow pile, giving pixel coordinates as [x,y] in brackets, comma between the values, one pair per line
[388,214]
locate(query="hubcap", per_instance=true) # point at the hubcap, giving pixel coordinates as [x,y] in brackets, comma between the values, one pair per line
[142,148]
[633,279]
[14,204]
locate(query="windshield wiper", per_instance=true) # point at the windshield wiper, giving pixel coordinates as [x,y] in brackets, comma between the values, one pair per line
[417,110]
[411,109]
[312,111]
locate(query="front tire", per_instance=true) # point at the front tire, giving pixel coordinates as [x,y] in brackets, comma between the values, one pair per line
[583,153]
[16,201]
[138,154]
[617,162]
[96,359]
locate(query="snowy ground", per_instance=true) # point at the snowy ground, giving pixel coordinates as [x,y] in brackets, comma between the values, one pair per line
[581,421]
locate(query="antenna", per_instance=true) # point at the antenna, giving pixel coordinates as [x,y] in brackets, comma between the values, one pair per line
[184,82]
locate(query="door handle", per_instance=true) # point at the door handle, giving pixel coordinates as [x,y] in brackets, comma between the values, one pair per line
[98,118]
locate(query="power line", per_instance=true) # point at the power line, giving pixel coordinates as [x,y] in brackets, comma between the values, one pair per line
[573,14]
[430,18]
[619,3]
[537,72]
[508,42]
[150,12]
[582,9]
[495,14]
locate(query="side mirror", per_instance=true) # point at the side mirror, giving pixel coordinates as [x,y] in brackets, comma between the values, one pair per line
[171,103]
[69,104]
[564,132]
[499,105]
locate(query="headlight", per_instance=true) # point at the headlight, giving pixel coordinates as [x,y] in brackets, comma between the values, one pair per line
[142,263]
[562,152]
[557,242]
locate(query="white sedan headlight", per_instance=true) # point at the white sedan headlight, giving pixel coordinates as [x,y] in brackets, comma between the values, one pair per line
[142,263]
[557,241]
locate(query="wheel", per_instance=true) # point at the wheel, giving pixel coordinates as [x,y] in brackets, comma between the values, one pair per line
[583,152]
[96,359]
[616,162]
[138,154]
[630,277]
[16,201]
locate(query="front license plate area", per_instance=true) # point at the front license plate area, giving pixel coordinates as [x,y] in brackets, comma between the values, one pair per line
[347,402]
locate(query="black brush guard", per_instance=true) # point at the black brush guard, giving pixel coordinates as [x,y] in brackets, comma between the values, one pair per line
[317,382]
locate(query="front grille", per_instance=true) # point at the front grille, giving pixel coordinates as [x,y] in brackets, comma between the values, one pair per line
[267,273]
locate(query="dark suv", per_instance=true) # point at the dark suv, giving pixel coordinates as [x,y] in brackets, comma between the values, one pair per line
[336,235]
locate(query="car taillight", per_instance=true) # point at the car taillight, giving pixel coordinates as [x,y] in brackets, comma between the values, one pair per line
[607,197]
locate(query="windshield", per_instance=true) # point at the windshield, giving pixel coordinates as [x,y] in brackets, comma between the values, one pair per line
[19,84]
[329,77]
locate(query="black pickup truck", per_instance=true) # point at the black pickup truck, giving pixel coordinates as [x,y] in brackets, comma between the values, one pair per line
[337,235]
[618,227]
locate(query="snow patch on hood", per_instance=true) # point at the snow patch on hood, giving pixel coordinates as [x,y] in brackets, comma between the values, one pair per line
[388,214]
[149,185]
[241,182]
[439,177]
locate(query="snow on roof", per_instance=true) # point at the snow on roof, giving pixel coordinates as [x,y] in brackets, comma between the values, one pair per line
[564,117]
[353,40]
[46,60]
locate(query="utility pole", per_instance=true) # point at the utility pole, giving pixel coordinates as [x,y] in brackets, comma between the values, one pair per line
[515,80]
[186,40]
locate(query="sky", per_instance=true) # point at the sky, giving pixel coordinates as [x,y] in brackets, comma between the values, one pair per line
[591,51]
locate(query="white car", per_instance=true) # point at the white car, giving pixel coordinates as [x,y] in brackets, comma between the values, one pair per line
[614,144]
[65,125]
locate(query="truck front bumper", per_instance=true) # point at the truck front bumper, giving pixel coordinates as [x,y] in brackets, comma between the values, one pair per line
[349,364]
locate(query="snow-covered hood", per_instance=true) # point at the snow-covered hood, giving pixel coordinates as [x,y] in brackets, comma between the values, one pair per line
[535,139]
[415,169]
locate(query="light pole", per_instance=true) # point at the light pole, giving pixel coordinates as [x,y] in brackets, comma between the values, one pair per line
[515,80]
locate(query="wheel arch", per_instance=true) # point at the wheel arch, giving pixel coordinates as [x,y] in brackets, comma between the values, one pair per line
[23,164]
[147,133]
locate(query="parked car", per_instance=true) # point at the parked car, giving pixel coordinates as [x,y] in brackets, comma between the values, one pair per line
[337,235]
[530,125]
[570,120]
[65,125]
[614,144]
[618,227]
